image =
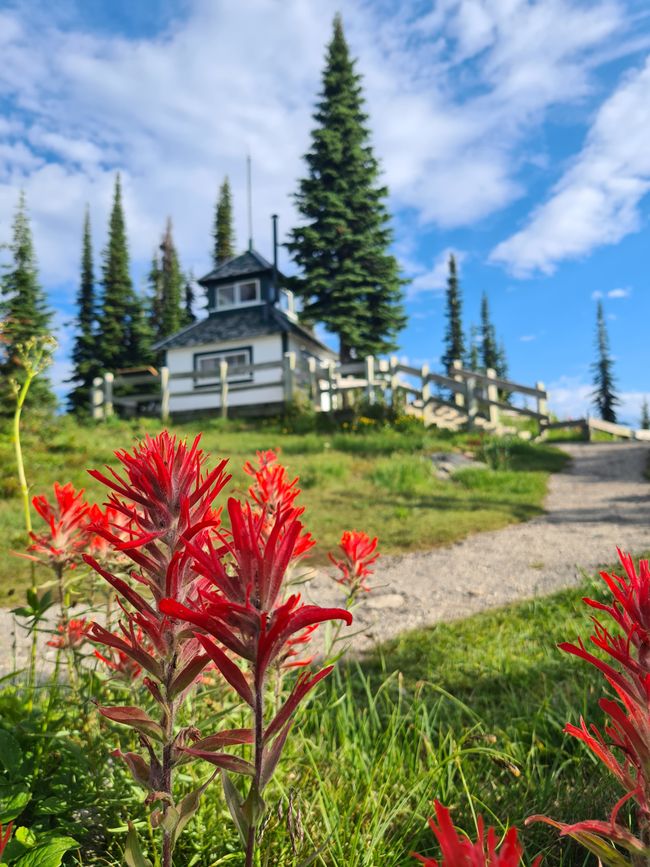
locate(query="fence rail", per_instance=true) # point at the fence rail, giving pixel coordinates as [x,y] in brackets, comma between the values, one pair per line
[468,397]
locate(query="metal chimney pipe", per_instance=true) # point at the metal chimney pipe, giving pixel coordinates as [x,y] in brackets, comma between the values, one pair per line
[276,290]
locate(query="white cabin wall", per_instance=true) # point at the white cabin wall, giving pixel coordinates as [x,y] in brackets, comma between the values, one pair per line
[266,348]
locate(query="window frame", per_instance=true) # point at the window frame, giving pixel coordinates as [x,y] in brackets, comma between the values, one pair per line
[209,382]
[236,287]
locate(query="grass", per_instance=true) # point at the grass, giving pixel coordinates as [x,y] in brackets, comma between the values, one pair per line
[471,713]
[381,481]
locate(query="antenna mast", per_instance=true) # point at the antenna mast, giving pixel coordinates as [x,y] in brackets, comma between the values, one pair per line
[249,197]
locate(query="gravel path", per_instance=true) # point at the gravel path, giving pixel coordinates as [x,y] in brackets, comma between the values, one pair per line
[601,501]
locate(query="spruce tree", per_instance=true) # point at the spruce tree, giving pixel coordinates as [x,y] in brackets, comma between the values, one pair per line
[171,287]
[119,311]
[454,339]
[473,354]
[190,297]
[603,396]
[349,281]
[85,366]
[24,311]
[489,349]
[645,415]
[223,232]
[155,296]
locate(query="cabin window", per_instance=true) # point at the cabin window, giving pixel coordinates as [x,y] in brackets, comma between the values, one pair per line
[238,294]
[208,364]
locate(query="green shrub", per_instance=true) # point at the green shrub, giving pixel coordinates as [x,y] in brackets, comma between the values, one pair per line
[403,475]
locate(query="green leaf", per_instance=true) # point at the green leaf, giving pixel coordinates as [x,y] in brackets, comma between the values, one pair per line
[188,807]
[12,802]
[133,854]
[232,799]
[25,836]
[49,854]
[52,806]
[11,755]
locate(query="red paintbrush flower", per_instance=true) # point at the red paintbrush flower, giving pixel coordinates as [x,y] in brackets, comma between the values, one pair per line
[459,851]
[72,634]
[61,546]
[160,510]
[240,606]
[359,554]
[626,749]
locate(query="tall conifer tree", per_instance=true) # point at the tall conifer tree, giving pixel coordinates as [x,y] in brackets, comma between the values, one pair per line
[223,232]
[489,348]
[172,286]
[604,395]
[454,339]
[116,343]
[85,365]
[645,415]
[190,297]
[24,310]
[349,280]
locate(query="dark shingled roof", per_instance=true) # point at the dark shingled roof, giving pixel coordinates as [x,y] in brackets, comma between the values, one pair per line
[239,324]
[250,262]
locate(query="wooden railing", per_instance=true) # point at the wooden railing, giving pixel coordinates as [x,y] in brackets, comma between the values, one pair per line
[470,394]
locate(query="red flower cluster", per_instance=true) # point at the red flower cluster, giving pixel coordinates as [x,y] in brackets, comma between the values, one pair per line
[67,521]
[71,634]
[229,585]
[626,748]
[459,851]
[359,554]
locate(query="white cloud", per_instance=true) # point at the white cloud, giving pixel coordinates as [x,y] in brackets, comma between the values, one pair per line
[596,295]
[570,398]
[620,293]
[528,338]
[435,278]
[596,201]
[451,94]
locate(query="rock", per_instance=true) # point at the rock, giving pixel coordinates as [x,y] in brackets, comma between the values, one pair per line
[386,600]
[447,463]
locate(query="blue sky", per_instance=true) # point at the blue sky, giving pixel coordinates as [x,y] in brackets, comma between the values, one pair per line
[514,133]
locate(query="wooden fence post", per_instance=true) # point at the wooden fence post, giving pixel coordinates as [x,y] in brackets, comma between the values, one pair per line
[223,380]
[164,394]
[394,383]
[109,379]
[97,398]
[289,375]
[459,397]
[542,407]
[492,398]
[331,384]
[470,402]
[426,386]
[314,391]
[370,379]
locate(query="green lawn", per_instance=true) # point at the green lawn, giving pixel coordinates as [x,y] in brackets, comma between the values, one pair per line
[471,713]
[380,481]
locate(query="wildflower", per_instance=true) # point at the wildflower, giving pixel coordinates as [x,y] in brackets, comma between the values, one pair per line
[66,519]
[359,554]
[240,606]
[122,663]
[625,746]
[162,504]
[458,851]
[71,634]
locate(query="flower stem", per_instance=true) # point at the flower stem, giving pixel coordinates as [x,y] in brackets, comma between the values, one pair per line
[255,790]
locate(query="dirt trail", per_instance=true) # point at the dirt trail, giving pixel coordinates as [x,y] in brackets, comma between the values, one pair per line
[602,500]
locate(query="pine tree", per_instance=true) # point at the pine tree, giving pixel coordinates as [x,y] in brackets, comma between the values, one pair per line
[24,311]
[349,280]
[155,296]
[454,339]
[489,349]
[223,232]
[645,415]
[117,338]
[604,396]
[190,297]
[171,277]
[473,354]
[85,365]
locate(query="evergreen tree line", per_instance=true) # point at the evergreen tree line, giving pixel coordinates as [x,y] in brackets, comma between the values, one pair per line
[478,351]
